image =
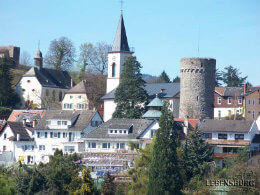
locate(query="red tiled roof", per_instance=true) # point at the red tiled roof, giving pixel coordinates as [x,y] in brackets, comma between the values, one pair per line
[192,121]
[16,113]
[220,90]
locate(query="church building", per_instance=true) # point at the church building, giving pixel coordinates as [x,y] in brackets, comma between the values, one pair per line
[116,59]
[42,87]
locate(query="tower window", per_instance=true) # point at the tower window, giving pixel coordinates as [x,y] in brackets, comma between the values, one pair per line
[113,70]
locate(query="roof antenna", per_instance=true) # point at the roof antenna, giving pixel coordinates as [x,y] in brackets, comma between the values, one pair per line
[199,43]
[121,3]
[39,45]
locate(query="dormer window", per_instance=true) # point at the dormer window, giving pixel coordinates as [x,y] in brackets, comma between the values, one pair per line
[115,131]
[229,100]
[71,96]
[111,131]
[28,81]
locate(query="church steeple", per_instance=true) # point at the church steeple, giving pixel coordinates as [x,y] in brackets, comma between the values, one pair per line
[120,41]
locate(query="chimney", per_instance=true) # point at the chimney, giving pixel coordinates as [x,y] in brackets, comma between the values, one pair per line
[245,88]
[34,123]
[18,137]
[186,125]
[71,83]
[24,122]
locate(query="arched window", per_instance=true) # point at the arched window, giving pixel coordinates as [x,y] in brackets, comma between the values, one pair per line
[53,95]
[47,92]
[60,96]
[113,70]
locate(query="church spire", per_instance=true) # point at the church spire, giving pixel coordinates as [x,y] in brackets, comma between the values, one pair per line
[120,41]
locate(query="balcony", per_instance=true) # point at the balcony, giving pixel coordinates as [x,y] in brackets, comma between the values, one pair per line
[228,142]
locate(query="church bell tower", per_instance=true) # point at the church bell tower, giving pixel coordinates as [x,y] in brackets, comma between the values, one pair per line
[117,56]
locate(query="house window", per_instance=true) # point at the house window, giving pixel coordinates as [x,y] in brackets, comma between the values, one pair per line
[219,100]
[33,90]
[239,100]
[42,147]
[239,136]
[222,136]
[71,96]
[111,131]
[113,70]
[64,122]
[229,150]
[92,145]
[79,96]
[55,134]
[120,131]
[80,106]
[28,81]
[120,145]
[45,134]
[206,135]
[38,134]
[65,105]
[4,148]
[58,134]
[253,113]
[23,89]
[253,102]
[124,131]
[229,100]
[5,136]
[47,92]
[197,98]
[51,134]
[105,145]
[115,131]
[249,101]
[69,149]
[59,122]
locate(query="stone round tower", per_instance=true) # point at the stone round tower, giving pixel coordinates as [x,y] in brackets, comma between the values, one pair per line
[197,87]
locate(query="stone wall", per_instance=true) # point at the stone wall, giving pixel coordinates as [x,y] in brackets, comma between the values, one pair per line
[197,87]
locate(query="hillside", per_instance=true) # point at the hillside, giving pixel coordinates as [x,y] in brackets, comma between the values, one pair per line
[18,72]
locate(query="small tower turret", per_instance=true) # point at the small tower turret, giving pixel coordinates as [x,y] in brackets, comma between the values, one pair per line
[38,59]
[154,109]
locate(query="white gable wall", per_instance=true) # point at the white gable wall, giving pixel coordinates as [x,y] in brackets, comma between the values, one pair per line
[75,100]
[6,142]
[29,88]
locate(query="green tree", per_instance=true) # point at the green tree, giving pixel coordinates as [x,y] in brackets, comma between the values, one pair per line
[130,96]
[164,78]
[7,185]
[139,173]
[108,186]
[61,54]
[164,172]
[86,51]
[196,153]
[87,186]
[218,78]
[231,77]
[177,79]
[8,97]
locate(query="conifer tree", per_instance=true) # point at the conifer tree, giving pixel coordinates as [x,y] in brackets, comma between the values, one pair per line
[108,187]
[164,78]
[8,96]
[164,173]
[130,96]
[197,153]
[87,186]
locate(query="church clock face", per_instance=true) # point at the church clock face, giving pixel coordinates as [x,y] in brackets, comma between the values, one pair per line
[114,58]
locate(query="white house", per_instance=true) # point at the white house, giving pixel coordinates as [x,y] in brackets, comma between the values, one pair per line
[18,140]
[226,136]
[116,59]
[42,87]
[78,97]
[115,135]
[63,129]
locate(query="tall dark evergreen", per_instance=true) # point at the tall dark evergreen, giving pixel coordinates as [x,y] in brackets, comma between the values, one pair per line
[108,186]
[164,172]
[197,154]
[177,79]
[164,78]
[231,77]
[8,96]
[130,94]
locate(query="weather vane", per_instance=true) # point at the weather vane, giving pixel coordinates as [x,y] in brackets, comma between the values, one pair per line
[121,3]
